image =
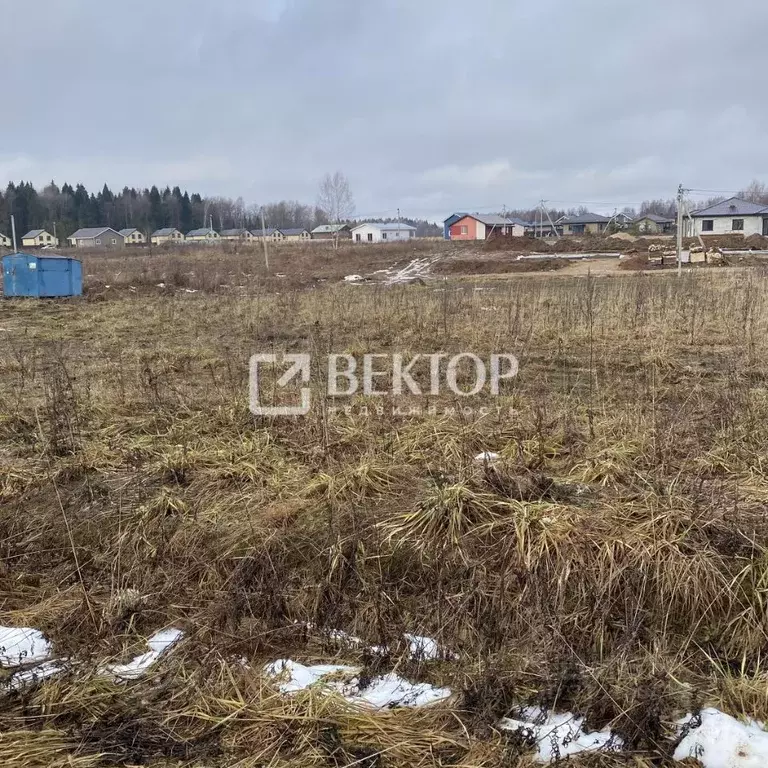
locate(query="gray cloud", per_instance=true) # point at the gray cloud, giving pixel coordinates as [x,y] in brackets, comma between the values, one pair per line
[427,105]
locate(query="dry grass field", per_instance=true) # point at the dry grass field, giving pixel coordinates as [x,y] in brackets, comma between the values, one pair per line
[612,562]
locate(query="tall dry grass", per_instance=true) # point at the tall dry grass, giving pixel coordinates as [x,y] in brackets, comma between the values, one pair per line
[613,562]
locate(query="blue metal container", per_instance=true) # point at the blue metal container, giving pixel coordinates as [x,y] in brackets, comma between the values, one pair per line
[42,276]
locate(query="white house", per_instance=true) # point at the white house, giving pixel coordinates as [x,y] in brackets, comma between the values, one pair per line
[382,233]
[5,241]
[731,217]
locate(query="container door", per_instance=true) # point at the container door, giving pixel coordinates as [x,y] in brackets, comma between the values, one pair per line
[19,276]
[55,277]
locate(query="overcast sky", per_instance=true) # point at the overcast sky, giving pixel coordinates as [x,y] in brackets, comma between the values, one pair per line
[427,105]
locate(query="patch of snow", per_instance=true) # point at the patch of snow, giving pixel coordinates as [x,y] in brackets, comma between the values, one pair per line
[487,456]
[721,741]
[354,279]
[296,677]
[393,691]
[560,735]
[383,692]
[32,676]
[424,648]
[158,644]
[22,645]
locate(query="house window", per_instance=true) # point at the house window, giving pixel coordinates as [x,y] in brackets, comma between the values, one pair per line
[708,225]
[370,237]
[383,235]
[357,237]
[738,225]
[114,241]
[464,229]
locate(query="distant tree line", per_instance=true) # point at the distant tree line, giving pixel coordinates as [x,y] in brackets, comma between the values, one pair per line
[69,208]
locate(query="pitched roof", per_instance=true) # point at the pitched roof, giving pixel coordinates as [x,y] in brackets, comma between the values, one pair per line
[269,231]
[202,232]
[88,233]
[655,218]
[391,227]
[294,231]
[584,218]
[454,217]
[329,229]
[128,232]
[165,232]
[734,206]
[33,233]
[233,232]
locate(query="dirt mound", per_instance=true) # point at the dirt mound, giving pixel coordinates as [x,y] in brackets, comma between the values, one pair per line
[499,242]
[725,241]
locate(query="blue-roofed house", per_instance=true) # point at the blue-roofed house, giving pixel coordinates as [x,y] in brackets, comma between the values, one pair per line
[731,217]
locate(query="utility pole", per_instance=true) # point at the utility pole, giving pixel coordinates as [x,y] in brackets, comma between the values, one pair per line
[13,232]
[680,193]
[264,238]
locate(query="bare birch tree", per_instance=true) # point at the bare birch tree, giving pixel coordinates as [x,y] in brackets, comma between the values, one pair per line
[335,198]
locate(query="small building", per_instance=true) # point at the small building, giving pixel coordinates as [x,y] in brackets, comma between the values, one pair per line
[332,232]
[5,241]
[374,232]
[583,224]
[96,237]
[203,235]
[133,236]
[49,276]
[39,238]
[449,222]
[166,235]
[236,235]
[296,235]
[270,233]
[731,217]
[481,226]
[651,224]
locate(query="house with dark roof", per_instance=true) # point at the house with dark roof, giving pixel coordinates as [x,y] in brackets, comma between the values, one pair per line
[38,238]
[96,237]
[133,236]
[731,217]
[332,232]
[270,233]
[481,226]
[236,235]
[651,224]
[583,224]
[296,234]
[166,235]
[202,235]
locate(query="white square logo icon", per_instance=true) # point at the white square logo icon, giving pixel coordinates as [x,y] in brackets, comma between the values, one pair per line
[299,366]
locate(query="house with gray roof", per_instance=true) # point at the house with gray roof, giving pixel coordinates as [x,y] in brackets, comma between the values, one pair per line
[133,236]
[166,235]
[332,232]
[731,217]
[96,237]
[583,224]
[270,233]
[481,226]
[39,238]
[296,234]
[652,224]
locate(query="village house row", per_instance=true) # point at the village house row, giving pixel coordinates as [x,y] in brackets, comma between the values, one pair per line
[106,237]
